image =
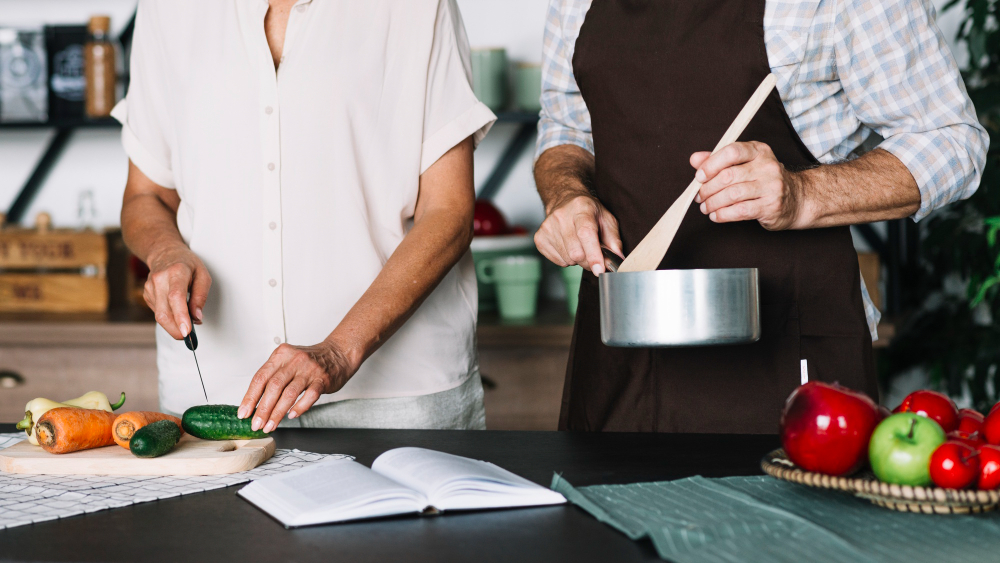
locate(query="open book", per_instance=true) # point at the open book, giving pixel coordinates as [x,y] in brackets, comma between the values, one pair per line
[401,481]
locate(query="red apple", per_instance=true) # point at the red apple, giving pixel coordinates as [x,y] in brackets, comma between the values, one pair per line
[991,426]
[973,439]
[826,427]
[989,467]
[954,465]
[935,406]
[970,420]
[487,220]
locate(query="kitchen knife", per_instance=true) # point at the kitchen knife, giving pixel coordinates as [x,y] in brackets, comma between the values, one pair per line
[191,341]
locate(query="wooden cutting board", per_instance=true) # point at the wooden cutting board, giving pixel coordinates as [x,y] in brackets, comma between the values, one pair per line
[191,456]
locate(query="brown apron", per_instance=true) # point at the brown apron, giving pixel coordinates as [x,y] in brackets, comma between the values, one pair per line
[663,79]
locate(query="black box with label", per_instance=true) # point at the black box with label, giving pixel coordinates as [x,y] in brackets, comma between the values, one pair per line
[66,81]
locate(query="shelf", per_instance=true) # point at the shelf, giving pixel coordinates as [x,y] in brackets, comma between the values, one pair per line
[72,123]
[552,327]
[517,117]
[135,327]
[528,124]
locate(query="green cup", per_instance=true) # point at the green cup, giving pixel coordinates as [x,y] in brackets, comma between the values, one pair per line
[528,87]
[489,77]
[571,277]
[516,279]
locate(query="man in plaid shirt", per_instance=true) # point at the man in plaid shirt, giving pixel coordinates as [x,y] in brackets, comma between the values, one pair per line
[846,69]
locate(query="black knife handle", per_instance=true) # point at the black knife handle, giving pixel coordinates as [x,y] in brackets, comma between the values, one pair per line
[191,340]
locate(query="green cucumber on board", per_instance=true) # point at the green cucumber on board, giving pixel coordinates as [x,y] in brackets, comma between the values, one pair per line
[154,440]
[218,422]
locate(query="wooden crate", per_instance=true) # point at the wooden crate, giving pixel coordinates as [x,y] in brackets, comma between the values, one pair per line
[52,270]
[28,249]
[52,293]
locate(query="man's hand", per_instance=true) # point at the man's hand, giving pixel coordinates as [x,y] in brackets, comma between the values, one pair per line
[291,371]
[173,272]
[576,224]
[574,230]
[744,181]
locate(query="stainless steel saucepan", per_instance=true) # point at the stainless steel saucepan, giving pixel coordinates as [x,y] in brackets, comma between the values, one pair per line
[673,308]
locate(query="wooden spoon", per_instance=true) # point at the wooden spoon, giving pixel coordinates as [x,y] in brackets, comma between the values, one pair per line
[650,251]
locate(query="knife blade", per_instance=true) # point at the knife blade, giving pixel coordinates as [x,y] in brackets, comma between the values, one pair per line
[191,341]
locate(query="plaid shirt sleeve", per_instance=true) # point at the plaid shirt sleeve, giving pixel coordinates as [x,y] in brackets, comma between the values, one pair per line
[564,116]
[902,81]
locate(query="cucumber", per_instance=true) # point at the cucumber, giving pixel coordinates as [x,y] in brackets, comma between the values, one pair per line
[154,440]
[218,422]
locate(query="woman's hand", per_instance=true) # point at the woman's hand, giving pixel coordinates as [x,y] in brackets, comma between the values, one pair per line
[173,272]
[149,227]
[442,230]
[291,371]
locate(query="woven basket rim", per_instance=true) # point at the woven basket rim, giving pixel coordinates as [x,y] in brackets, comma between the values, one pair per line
[864,485]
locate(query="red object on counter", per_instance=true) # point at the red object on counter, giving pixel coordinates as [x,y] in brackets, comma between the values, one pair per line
[487,220]
[989,468]
[973,439]
[935,406]
[991,426]
[826,427]
[954,465]
[970,420]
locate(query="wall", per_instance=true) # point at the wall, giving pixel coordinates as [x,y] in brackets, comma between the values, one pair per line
[94,159]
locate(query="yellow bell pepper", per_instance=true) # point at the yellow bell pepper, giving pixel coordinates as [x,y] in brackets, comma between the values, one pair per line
[35,408]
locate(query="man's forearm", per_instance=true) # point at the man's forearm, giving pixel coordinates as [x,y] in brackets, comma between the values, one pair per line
[419,263]
[563,172]
[873,187]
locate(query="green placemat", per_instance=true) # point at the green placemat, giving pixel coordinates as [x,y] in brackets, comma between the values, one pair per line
[698,520]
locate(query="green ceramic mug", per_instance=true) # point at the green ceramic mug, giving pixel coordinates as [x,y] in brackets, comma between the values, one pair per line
[517,279]
[528,87]
[489,77]
[571,277]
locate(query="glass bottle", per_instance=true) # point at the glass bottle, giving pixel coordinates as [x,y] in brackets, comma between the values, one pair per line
[99,68]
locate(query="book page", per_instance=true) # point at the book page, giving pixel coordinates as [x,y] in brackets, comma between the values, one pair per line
[455,482]
[331,491]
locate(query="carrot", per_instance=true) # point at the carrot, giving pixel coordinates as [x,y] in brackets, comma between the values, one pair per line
[127,423]
[68,429]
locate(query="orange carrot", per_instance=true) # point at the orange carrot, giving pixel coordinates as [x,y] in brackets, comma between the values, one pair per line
[127,423]
[68,429]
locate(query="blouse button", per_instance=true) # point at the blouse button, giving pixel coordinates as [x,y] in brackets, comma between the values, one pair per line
[268,110]
[301,8]
[272,282]
[270,166]
[272,225]
[277,340]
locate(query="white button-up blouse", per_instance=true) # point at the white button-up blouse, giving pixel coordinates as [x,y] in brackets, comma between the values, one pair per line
[297,185]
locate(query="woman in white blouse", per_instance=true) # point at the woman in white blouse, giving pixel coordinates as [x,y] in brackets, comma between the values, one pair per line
[300,185]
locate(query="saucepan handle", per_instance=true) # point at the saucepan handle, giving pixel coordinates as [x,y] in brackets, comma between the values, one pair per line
[611,260]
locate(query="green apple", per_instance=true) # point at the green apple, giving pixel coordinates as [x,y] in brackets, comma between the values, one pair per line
[901,446]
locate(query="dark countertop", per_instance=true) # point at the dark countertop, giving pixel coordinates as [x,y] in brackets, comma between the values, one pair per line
[219,526]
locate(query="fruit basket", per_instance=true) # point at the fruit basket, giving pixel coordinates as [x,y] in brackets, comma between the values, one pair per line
[904,498]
